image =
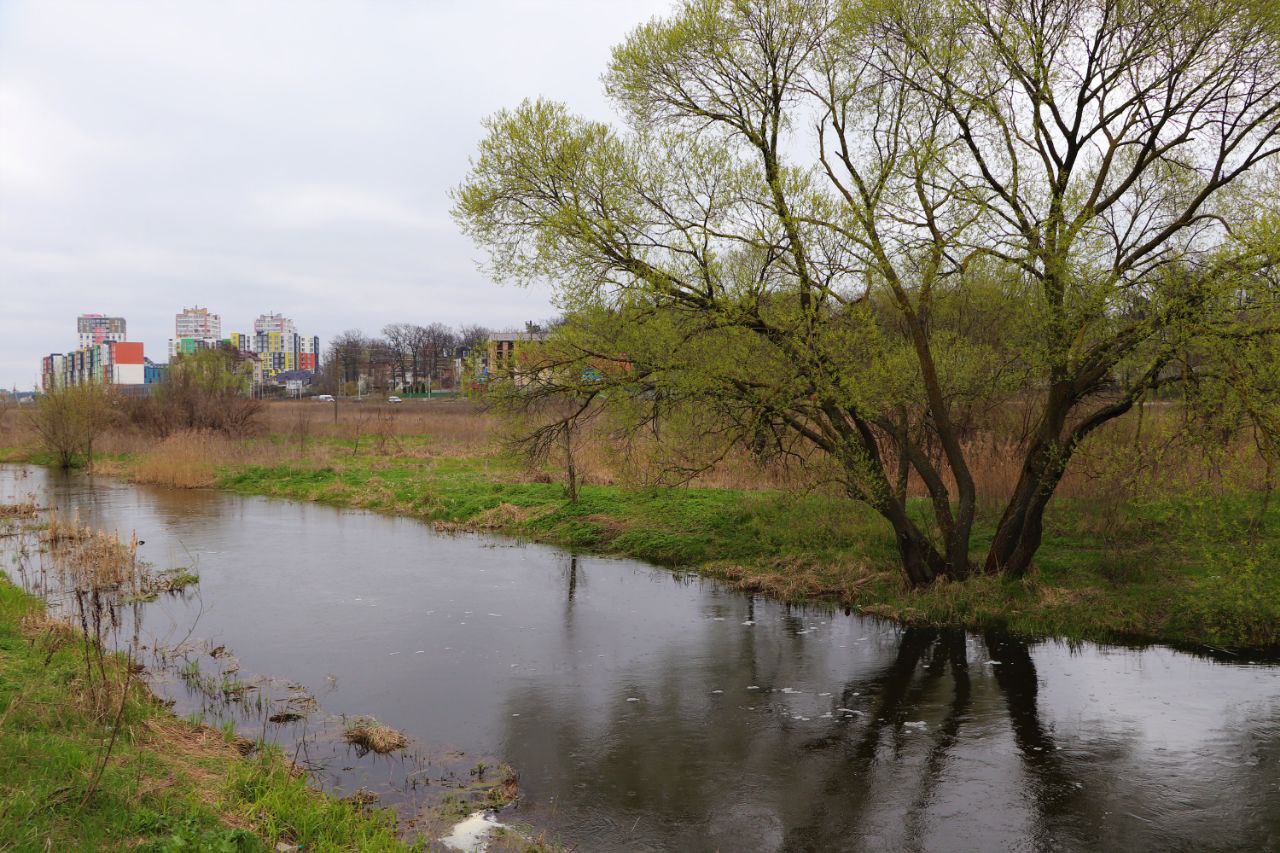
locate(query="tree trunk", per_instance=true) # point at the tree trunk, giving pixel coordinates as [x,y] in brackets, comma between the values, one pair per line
[1021,525]
[571,471]
[921,562]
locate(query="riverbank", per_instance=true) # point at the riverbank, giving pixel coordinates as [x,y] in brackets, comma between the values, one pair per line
[1184,568]
[139,778]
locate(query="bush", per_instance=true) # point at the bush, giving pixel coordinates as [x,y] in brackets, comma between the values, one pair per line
[70,420]
[206,390]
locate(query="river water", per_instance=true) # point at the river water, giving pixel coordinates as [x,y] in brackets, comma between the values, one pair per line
[648,710]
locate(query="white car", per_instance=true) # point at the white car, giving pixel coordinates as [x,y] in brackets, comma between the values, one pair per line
[324,398]
[394,400]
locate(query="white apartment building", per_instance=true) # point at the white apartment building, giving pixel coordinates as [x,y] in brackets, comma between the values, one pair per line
[195,328]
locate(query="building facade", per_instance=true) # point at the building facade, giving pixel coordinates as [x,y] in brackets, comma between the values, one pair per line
[195,329]
[99,328]
[120,363]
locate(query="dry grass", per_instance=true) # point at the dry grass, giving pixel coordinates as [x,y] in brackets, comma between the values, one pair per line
[185,460]
[90,559]
[26,508]
[368,734]
[1143,453]
[453,427]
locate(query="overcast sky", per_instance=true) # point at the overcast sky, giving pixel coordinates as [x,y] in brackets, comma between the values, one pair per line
[264,156]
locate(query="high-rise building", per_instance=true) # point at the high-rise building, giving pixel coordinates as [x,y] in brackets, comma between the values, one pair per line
[99,329]
[274,323]
[197,323]
[280,347]
[193,329]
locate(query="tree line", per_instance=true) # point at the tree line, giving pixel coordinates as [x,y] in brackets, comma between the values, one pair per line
[405,356]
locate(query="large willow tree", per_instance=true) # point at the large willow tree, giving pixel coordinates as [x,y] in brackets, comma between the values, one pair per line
[858,226]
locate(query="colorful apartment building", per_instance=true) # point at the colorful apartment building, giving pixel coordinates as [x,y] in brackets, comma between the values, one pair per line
[281,349]
[275,347]
[99,328]
[110,362]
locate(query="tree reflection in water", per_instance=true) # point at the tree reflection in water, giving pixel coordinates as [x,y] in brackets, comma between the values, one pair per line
[689,774]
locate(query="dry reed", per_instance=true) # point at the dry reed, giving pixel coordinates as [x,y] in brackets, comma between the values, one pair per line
[368,734]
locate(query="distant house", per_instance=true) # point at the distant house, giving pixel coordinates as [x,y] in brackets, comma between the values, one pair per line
[503,357]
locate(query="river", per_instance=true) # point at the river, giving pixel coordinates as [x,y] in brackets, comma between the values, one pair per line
[651,710]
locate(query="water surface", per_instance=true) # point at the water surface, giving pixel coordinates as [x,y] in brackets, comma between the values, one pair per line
[645,710]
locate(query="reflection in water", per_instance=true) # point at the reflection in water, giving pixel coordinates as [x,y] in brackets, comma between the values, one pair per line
[646,711]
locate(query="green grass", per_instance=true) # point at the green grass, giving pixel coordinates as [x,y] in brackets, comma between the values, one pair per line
[1184,569]
[169,785]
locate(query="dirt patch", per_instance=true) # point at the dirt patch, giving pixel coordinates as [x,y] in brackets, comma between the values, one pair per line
[793,579]
[1054,596]
[500,517]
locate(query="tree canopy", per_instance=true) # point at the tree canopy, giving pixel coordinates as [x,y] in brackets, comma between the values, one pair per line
[863,227]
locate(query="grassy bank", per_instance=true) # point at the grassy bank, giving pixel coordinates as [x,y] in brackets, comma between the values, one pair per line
[74,778]
[1172,562]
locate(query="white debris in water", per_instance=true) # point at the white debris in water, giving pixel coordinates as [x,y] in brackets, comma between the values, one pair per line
[499,615]
[392,653]
[717,691]
[824,694]
[791,690]
[472,835]
[753,686]
[919,725]
[515,715]
[359,599]
[993,663]
[826,716]
[632,699]
[420,652]
[749,623]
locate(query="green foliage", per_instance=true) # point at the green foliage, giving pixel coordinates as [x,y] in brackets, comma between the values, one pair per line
[933,252]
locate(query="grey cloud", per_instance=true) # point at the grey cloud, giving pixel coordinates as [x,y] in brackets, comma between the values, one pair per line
[248,156]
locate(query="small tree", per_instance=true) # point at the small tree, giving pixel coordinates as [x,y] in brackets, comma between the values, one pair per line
[70,420]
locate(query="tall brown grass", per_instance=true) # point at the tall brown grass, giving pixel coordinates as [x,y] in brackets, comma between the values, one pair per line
[1142,453]
[188,460]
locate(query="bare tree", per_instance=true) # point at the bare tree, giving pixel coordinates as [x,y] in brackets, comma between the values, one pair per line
[402,341]
[438,342]
[349,357]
